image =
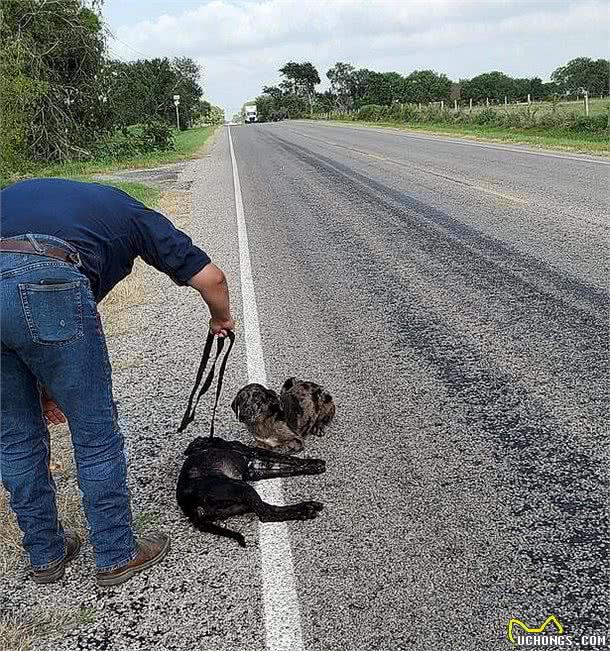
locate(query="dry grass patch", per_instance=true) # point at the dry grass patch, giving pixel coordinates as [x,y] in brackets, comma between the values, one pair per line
[131,291]
[177,206]
[19,630]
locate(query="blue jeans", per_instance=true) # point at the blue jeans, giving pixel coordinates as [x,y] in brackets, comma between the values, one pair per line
[52,337]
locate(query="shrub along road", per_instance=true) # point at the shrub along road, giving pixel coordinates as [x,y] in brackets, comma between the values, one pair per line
[450,295]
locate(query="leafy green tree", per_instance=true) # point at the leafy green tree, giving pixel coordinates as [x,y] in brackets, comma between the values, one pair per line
[582,74]
[493,85]
[427,86]
[384,88]
[205,113]
[342,83]
[273,91]
[266,106]
[325,102]
[187,74]
[143,90]
[300,80]
[51,60]
[360,80]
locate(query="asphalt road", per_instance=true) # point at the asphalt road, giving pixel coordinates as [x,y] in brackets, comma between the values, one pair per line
[453,298]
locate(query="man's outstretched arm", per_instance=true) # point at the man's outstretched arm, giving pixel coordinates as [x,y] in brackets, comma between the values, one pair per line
[211,283]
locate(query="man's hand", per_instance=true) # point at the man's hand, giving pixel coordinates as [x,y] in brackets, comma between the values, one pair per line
[220,328]
[52,412]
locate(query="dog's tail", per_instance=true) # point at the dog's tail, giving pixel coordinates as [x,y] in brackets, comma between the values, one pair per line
[210,527]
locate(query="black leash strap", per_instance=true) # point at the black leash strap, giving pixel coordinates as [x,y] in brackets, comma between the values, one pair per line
[189,414]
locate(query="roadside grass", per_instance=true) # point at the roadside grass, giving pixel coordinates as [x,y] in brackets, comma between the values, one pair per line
[557,139]
[19,631]
[188,146]
[596,105]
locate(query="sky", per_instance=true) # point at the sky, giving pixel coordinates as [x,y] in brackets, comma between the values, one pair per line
[240,44]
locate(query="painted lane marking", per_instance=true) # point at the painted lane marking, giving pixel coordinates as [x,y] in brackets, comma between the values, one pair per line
[280,599]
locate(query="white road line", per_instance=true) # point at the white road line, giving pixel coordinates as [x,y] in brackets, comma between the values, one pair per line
[280,599]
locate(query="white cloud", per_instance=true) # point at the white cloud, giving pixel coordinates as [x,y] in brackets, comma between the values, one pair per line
[242,44]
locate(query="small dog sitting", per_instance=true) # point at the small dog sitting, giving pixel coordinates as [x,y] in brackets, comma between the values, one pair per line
[308,407]
[283,421]
[212,484]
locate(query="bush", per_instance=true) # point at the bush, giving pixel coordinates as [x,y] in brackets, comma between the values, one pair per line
[592,124]
[525,118]
[130,142]
[157,136]
[485,117]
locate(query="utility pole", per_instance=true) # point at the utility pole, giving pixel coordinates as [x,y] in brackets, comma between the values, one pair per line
[177,104]
[587,103]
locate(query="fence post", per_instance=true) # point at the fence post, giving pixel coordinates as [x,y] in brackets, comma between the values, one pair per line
[529,98]
[455,105]
[505,102]
[471,104]
[419,106]
[442,105]
[587,103]
[487,101]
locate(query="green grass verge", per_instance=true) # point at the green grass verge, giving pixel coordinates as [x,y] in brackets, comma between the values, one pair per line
[557,139]
[147,194]
[188,145]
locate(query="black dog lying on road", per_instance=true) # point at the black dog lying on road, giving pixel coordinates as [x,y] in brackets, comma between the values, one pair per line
[212,484]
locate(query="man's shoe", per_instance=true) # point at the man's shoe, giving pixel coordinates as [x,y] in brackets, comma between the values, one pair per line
[56,569]
[152,548]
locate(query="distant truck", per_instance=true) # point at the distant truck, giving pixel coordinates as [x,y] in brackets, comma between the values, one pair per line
[250,111]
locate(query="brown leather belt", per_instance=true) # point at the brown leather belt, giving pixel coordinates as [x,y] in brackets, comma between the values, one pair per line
[24,246]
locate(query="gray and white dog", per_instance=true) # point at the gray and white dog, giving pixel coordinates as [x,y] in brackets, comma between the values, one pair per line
[282,422]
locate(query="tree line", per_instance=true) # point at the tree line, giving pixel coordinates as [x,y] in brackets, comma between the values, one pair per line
[351,89]
[62,97]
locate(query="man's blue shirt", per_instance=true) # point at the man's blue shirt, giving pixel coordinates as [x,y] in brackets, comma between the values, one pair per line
[107,227]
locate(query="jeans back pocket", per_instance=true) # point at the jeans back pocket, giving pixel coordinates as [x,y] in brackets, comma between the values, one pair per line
[53,312]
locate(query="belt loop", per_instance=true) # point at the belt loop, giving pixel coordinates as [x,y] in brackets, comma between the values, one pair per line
[34,243]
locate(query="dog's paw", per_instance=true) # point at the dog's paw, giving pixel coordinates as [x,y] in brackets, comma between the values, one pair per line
[318,466]
[310,510]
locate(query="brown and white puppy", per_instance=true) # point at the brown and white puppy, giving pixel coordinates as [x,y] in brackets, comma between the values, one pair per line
[261,412]
[281,422]
[308,407]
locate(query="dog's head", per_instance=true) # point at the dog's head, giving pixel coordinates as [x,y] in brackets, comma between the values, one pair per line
[198,444]
[254,401]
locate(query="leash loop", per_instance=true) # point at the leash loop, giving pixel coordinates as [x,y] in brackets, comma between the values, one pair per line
[189,414]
